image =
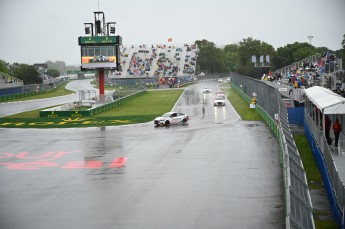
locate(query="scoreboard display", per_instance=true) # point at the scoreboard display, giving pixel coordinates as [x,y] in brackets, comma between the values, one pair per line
[101,52]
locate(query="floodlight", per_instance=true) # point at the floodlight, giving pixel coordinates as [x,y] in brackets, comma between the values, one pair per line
[87,30]
[112,29]
[98,27]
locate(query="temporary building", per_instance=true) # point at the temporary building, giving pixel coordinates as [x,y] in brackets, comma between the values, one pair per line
[326,101]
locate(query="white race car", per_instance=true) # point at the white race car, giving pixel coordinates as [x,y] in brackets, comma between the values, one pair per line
[207,90]
[219,99]
[171,118]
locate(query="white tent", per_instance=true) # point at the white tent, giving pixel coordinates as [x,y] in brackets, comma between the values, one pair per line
[326,101]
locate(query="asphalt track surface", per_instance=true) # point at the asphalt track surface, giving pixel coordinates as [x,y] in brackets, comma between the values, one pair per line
[217,171]
[11,108]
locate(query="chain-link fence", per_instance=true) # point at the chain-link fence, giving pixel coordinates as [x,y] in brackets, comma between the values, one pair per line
[298,206]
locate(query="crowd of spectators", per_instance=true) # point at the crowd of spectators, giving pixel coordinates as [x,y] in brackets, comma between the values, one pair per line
[165,66]
[7,80]
[309,74]
[158,60]
[140,65]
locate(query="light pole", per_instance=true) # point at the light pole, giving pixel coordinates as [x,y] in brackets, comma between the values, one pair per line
[310,37]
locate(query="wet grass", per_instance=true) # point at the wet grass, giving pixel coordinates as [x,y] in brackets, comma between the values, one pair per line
[28,114]
[241,106]
[309,164]
[323,219]
[323,224]
[58,91]
[151,103]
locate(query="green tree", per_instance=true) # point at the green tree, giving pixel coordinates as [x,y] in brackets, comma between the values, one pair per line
[341,52]
[231,55]
[58,65]
[53,72]
[249,47]
[210,58]
[321,50]
[3,66]
[27,73]
[292,53]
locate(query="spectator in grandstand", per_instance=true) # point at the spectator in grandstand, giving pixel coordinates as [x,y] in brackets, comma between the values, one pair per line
[311,80]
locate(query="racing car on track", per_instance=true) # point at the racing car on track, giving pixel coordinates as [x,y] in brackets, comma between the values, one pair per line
[219,100]
[207,90]
[171,118]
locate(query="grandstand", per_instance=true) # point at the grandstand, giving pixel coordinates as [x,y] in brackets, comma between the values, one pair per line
[173,60]
[318,70]
[323,70]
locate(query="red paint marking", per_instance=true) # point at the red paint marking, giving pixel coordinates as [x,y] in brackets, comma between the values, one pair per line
[31,165]
[7,155]
[49,159]
[83,165]
[118,162]
[24,155]
[60,154]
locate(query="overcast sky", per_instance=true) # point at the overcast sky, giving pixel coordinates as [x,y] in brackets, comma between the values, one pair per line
[34,31]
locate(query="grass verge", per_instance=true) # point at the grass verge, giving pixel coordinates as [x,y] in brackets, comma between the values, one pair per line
[323,218]
[138,110]
[58,91]
[151,103]
[309,164]
[241,106]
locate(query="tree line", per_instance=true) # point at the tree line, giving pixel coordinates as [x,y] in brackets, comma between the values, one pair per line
[238,57]
[30,74]
[211,59]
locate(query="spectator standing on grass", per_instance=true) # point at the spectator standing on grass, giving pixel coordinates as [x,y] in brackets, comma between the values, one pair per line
[337,129]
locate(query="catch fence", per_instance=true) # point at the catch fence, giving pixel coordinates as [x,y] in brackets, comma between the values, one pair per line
[298,206]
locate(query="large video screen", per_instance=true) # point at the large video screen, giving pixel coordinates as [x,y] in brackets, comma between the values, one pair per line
[95,57]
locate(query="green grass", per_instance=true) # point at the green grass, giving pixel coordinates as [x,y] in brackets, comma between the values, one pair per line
[29,114]
[242,107]
[314,180]
[151,103]
[309,164]
[323,224]
[58,91]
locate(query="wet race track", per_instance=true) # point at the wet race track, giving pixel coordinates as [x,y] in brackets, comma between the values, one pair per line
[217,171]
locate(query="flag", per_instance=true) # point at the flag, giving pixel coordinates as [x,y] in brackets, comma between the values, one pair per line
[170,39]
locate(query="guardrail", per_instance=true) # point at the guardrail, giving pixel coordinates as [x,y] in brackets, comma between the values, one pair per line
[7,94]
[298,206]
[52,113]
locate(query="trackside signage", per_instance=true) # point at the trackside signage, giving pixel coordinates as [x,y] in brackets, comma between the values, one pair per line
[100,40]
